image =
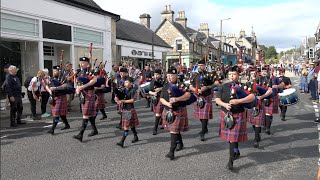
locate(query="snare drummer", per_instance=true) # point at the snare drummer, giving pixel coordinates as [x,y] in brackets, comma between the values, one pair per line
[237,132]
[287,84]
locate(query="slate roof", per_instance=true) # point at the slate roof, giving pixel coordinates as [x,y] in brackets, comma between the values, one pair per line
[132,31]
[89,5]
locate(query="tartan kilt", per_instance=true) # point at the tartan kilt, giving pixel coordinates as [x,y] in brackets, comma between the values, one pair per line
[206,111]
[100,101]
[133,122]
[89,107]
[238,133]
[180,124]
[61,106]
[269,109]
[157,109]
[259,120]
[276,103]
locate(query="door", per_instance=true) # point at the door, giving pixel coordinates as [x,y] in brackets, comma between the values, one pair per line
[48,65]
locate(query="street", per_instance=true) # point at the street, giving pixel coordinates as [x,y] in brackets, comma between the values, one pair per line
[290,152]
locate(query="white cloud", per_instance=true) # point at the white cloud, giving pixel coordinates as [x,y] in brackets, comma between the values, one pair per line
[281,25]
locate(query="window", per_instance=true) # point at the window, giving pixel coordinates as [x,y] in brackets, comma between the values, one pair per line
[19,25]
[56,31]
[48,50]
[179,45]
[87,36]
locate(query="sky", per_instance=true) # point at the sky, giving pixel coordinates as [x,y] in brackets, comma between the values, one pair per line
[280,23]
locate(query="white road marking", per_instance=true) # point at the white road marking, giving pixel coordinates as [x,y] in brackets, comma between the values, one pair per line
[314,102]
[317,114]
[51,125]
[316,110]
[3,136]
[315,106]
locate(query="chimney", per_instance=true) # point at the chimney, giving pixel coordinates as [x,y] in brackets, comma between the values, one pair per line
[145,20]
[181,19]
[167,13]
[204,28]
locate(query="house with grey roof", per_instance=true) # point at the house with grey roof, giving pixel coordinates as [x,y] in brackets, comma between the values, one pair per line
[138,44]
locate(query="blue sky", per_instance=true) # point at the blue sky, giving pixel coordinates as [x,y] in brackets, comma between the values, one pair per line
[280,23]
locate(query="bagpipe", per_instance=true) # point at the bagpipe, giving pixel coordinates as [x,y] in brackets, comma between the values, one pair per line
[120,92]
[157,84]
[63,90]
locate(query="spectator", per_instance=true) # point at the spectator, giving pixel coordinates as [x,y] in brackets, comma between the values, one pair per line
[44,94]
[6,70]
[312,82]
[13,89]
[34,92]
[304,79]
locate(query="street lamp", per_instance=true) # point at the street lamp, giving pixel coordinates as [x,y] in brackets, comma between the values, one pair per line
[220,53]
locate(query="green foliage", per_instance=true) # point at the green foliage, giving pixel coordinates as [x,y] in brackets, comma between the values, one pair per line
[270,54]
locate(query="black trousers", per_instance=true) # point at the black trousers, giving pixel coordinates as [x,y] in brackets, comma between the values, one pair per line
[33,103]
[16,109]
[283,110]
[45,97]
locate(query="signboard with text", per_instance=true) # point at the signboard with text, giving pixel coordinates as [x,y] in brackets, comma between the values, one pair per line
[140,53]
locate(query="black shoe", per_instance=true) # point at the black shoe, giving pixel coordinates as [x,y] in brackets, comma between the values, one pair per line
[268,131]
[135,139]
[104,117]
[93,133]
[283,118]
[230,164]
[79,137]
[202,137]
[170,155]
[179,147]
[20,122]
[236,155]
[66,127]
[255,144]
[154,131]
[51,131]
[120,144]
[317,120]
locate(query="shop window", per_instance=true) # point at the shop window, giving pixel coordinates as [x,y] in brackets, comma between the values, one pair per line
[19,25]
[86,36]
[56,31]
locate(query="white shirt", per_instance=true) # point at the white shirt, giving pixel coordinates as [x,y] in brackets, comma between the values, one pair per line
[318,78]
[34,79]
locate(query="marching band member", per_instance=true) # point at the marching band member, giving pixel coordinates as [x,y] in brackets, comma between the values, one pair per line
[155,90]
[174,110]
[69,78]
[147,77]
[59,101]
[129,116]
[287,84]
[100,101]
[88,106]
[120,84]
[233,127]
[202,111]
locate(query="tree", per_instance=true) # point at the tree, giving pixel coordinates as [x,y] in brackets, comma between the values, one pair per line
[271,53]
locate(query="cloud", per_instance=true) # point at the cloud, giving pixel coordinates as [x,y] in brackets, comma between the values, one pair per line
[280,25]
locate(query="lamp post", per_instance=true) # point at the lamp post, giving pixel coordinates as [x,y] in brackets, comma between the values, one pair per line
[220,52]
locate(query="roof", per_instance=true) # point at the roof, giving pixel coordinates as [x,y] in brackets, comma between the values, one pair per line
[89,5]
[132,31]
[249,39]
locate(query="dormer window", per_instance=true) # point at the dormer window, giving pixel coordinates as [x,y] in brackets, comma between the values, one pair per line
[179,44]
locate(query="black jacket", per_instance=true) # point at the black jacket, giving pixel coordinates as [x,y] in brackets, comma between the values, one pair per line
[13,86]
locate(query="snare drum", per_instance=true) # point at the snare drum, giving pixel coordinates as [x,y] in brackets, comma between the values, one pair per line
[288,97]
[145,88]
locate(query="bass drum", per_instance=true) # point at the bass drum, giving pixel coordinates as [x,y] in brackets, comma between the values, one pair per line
[145,88]
[288,97]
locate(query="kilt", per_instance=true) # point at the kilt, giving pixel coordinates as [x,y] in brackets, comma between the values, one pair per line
[269,109]
[133,122]
[61,106]
[157,109]
[89,107]
[180,124]
[206,111]
[276,103]
[100,101]
[258,120]
[238,133]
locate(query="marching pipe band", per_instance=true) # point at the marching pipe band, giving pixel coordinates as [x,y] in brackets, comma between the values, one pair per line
[170,93]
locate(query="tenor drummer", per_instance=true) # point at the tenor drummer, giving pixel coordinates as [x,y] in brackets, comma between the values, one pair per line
[233,126]
[58,102]
[287,84]
[177,112]
[88,106]
[155,90]
[202,85]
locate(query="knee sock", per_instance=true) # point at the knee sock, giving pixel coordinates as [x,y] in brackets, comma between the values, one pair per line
[103,112]
[93,123]
[64,120]
[174,138]
[133,129]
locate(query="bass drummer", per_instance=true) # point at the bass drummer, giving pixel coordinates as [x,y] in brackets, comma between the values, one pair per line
[287,84]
